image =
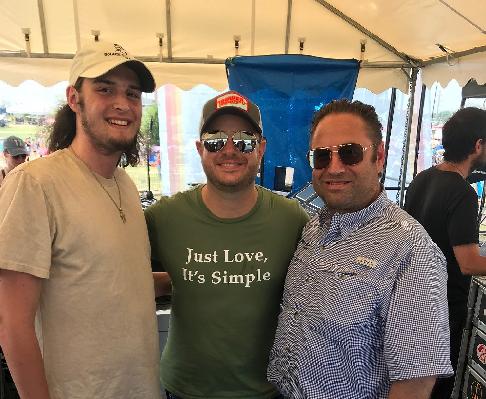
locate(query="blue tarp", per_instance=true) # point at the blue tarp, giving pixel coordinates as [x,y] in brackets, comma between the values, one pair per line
[289,89]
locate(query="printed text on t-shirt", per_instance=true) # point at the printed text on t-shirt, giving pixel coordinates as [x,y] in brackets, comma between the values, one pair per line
[223,277]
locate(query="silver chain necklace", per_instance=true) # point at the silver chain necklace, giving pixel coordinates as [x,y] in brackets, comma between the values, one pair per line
[117,206]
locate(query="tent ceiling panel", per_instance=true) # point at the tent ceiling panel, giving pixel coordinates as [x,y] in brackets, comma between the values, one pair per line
[199,29]
[270,27]
[14,16]
[414,27]
[60,26]
[134,25]
[330,36]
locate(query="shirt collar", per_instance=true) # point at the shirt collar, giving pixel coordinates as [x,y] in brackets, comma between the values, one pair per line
[340,225]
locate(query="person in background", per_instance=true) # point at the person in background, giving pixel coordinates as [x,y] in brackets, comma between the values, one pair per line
[446,205]
[364,312]
[15,152]
[74,250]
[225,247]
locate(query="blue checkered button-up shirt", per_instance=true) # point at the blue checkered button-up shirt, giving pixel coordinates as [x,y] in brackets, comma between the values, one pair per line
[364,305]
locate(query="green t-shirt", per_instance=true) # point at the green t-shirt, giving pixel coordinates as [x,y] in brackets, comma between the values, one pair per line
[228,277]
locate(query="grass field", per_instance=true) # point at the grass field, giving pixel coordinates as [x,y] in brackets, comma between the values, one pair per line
[22,131]
[139,176]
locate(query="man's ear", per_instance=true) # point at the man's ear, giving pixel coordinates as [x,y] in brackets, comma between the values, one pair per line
[380,156]
[199,147]
[479,146]
[261,148]
[72,97]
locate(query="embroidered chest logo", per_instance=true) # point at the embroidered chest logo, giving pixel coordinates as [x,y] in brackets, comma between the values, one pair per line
[366,262]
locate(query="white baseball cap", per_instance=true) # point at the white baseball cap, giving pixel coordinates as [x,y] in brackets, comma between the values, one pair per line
[97,58]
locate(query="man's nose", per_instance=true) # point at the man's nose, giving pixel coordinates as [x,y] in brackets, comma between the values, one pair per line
[229,146]
[121,103]
[336,166]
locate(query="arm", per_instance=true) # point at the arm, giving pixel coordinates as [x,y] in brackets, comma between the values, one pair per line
[469,260]
[162,283]
[415,388]
[19,299]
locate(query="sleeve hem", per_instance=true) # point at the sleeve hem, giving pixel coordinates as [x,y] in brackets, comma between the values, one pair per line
[412,371]
[21,268]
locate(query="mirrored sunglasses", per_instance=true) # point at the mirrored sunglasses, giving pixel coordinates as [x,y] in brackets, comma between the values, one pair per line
[349,153]
[243,140]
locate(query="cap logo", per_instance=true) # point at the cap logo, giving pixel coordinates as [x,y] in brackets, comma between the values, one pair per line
[119,51]
[232,100]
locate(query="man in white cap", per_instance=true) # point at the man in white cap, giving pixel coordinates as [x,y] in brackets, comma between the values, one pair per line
[74,252]
[15,152]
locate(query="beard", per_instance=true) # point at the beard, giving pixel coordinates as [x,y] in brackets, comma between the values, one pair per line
[106,144]
[479,163]
[233,186]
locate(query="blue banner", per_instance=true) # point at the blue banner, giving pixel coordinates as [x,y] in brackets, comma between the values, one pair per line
[289,89]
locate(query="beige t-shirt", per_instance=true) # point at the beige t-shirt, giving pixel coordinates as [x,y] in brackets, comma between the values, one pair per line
[96,320]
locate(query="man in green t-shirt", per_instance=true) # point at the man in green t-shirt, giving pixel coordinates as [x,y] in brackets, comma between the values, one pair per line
[223,248]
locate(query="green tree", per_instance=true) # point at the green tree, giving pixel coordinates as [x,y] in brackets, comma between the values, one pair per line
[150,117]
[442,116]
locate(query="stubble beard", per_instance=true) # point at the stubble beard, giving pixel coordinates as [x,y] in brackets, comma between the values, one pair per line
[246,181]
[479,162]
[107,145]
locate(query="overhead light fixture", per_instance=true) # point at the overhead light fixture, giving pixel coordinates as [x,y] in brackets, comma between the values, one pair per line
[96,34]
[26,32]
[161,44]
[237,39]
[301,44]
[362,49]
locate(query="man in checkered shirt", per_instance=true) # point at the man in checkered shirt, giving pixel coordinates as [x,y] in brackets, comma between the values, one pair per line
[364,311]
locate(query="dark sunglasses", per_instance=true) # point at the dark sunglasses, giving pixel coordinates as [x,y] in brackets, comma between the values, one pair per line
[350,154]
[244,141]
[20,156]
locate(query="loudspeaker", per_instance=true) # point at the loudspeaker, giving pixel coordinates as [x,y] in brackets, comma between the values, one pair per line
[279,178]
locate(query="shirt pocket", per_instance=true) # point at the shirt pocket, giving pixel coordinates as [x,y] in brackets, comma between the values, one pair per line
[343,302]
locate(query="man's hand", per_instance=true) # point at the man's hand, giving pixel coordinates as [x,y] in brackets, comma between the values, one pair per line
[415,388]
[19,300]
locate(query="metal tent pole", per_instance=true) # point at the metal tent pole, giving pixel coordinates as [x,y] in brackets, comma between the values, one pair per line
[406,141]
[389,125]
[419,129]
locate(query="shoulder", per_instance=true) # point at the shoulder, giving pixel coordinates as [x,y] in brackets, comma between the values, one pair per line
[408,233]
[403,224]
[171,205]
[426,175]
[47,168]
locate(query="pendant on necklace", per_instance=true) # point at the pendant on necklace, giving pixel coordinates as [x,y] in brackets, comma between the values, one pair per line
[122,215]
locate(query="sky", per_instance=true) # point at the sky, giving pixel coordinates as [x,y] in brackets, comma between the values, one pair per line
[31,98]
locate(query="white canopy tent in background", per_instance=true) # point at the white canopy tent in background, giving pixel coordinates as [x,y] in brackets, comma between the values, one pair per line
[197,36]
[185,42]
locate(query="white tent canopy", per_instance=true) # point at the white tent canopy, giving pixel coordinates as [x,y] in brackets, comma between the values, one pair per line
[197,36]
